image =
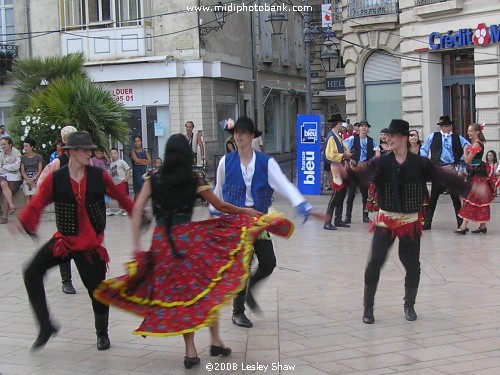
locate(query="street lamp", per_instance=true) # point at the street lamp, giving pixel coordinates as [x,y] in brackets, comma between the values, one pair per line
[276,20]
[329,57]
[220,16]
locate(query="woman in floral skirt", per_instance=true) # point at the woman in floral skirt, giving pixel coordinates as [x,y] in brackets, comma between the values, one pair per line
[477,208]
[192,268]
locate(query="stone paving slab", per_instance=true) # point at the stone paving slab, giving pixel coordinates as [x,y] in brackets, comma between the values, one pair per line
[312,310]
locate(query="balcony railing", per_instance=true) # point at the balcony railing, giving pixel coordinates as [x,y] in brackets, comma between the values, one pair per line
[370,8]
[427,2]
[336,13]
[8,53]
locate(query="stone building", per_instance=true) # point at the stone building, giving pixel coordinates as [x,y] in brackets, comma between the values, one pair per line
[171,61]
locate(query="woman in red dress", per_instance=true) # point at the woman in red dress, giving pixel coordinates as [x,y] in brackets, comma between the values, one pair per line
[192,268]
[475,207]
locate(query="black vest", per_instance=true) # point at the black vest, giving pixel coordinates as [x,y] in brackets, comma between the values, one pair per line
[437,147]
[63,159]
[66,206]
[356,146]
[410,183]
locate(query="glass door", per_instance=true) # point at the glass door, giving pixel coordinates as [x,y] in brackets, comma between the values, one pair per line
[461,106]
[135,124]
[151,119]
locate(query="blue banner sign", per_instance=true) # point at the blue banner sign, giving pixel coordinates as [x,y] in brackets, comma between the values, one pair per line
[308,154]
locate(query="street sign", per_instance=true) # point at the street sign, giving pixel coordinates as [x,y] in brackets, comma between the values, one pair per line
[309,154]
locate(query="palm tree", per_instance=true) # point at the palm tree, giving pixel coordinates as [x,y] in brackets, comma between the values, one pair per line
[58,92]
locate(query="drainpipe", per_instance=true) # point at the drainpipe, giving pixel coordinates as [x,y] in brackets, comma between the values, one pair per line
[28,27]
[254,70]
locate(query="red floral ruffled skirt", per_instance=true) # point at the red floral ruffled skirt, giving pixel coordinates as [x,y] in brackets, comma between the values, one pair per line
[475,207]
[177,296]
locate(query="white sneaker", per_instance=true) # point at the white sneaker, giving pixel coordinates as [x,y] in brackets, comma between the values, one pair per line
[109,212]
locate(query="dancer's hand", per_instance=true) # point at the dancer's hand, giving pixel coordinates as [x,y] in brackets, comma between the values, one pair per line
[251,212]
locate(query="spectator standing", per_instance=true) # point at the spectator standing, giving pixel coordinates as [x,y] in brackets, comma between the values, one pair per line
[140,161]
[58,144]
[31,168]
[10,176]
[119,171]
[195,142]
[3,132]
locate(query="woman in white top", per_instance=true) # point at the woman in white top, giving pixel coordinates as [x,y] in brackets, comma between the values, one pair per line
[10,176]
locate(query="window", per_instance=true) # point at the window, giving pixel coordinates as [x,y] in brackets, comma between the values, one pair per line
[7,21]
[104,13]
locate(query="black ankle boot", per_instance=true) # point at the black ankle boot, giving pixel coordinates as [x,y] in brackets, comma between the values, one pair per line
[101,330]
[410,296]
[46,331]
[368,301]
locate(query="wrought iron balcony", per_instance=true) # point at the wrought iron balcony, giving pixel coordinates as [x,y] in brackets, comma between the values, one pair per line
[336,13]
[371,8]
[8,53]
[427,2]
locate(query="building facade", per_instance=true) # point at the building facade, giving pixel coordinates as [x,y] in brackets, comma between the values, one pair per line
[170,62]
[420,59]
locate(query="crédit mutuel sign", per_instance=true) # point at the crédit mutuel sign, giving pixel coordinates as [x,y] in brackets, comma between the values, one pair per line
[482,36]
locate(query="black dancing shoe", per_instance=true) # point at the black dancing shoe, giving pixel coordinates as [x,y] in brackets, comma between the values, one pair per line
[480,230]
[103,342]
[216,351]
[341,224]
[410,313]
[329,226]
[46,331]
[461,231]
[68,288]
[368,317]
[189,362]
[241,320]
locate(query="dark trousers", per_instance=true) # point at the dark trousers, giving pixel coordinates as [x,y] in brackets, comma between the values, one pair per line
[436,191]
[264,251]
[92,273]
[336,203]
[65,270]
[351,194]
[409,254]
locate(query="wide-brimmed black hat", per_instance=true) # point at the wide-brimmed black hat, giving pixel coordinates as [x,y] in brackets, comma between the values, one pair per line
[245,123]
[399,127]
[337,117]
[444,120]
[79,140]
[364,122]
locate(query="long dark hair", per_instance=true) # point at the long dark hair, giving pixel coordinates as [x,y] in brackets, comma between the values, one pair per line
[178,165]
[495,160]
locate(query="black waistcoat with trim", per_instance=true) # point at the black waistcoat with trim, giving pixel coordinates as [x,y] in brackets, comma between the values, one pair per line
[356,146]
[66,206]
[410,181]
[437,147]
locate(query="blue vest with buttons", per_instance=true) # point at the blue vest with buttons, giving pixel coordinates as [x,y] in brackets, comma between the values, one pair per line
[234,188]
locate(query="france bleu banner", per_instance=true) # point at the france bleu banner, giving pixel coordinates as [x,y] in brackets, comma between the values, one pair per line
[309,154]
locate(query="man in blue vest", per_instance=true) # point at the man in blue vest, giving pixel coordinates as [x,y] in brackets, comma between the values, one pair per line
[446,149]
[363,149]
[248,178]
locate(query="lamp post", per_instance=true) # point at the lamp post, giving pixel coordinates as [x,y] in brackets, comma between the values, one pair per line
[220,16]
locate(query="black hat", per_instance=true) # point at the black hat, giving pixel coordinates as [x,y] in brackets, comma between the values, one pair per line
[364,122]
[444,120]
[79,140]
[384,130]
[245,123]
[337,117]
[399,127]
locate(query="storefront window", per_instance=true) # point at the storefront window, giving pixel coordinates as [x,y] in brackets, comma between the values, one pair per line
[458,63]
[382,78]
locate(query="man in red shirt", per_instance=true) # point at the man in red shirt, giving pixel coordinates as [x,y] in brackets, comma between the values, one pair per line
[77,191]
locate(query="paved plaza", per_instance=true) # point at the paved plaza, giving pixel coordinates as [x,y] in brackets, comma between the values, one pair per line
[312,306]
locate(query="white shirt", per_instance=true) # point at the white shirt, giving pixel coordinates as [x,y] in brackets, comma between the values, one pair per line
[276,179]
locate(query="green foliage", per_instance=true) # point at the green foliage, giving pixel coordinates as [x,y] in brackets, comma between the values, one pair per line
[68,97]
